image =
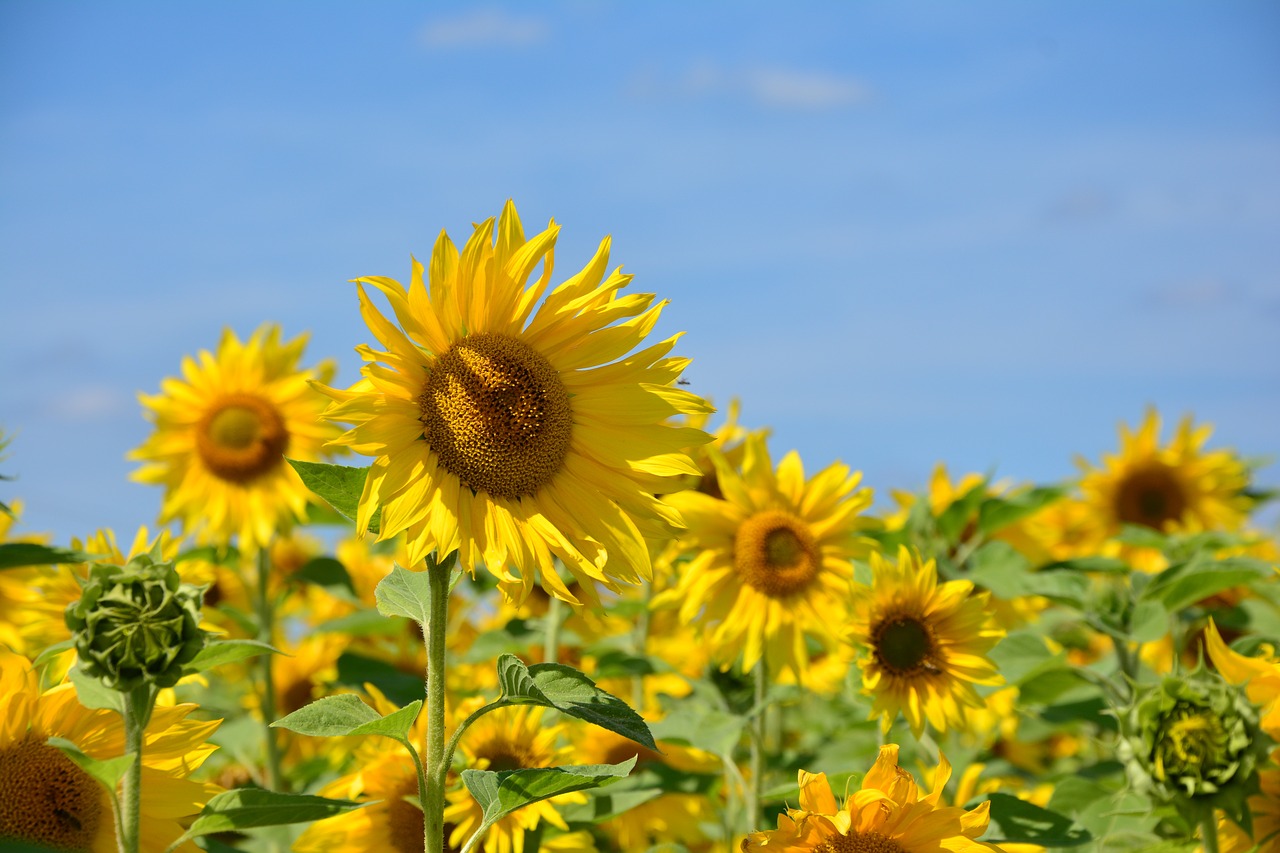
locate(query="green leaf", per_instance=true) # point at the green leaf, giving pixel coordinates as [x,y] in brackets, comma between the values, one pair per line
[1018,821]
[500,794]
[999,567]
[1182,585]
[244,808]
[340,485]
[108,771]
[18,555]
[1045,687]
[702,726]
[50,652]
[404,593]
[608,805]
[219,652]
[93,694]
[1023,654]
[363,623]
[570,692]
[326,572]
[998,512]
[347,714]
[952,521]
[397,685]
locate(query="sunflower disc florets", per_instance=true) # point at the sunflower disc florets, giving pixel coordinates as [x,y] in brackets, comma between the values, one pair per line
[136,624]
[1194,742]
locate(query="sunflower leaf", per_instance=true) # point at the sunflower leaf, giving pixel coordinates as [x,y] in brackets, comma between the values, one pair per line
[108,771]
[998,512]
[347,714]
[244,808]
[571,692]
[340,485]
[1018,821]
[93,694]
[16,555]
[327,572]
[500,794]
[218,652]
[1183,584]
[404,593]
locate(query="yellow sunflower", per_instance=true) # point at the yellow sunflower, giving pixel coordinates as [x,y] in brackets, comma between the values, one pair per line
[771,561]
[886,815]
[1265,809]
[513,428]
[923,644]
[1176,488]
[222,433]
[1259,675]
[46,799]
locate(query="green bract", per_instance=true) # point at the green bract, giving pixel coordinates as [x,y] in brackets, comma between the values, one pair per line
[136,624]
[1193,741]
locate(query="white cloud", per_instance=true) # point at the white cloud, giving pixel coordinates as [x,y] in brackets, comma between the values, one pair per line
[484,27]
[91,401]
[775,87]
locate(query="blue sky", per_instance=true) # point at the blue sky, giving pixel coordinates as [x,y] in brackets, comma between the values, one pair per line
[901,233]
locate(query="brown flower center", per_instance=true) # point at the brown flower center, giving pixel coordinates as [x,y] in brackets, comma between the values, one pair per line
[45,798]
[404,821]
[904,645]
[1151,496]
[859,842]
[496,413]
[241,438]
[775,553]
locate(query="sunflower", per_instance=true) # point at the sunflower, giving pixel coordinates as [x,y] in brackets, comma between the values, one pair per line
[514,429]
[46,799]
[222,433]
[923,644]
[1264,807]
[509,739]
[1259,675]
[886,815]
[772,560]
[1178,488]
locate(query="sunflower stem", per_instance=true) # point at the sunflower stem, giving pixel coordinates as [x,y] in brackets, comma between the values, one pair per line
[138,703]
[266,632]
[555,618]
[433,633]
[756,784]
[1208,831]
[640,640]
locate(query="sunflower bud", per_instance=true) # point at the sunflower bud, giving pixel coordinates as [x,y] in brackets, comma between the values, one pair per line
[1194,742]
[136,624]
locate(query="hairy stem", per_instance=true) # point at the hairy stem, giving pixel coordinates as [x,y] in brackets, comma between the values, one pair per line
[266,631]
[137,713]
[433,633]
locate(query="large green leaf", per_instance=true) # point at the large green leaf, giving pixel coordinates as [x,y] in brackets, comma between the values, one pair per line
[347,714]
[326,572]
[17,555]
[998,512]
[701,725]
[244,808]
[93,694]
[219,652]
[1183,584]
[340,485]
[405,593]
[1018,821]
[500,794]
[570,692]
[108,771]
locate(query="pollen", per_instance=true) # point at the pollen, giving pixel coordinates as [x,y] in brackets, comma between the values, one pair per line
[859,842]
[45,798]
[496,413]
[241,437]
[775,552]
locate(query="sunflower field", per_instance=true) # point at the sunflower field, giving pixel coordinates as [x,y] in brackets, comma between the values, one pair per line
[520,589]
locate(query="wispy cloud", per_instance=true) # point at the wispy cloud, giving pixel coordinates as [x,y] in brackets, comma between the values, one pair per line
[770,86]
[91,401]
[484,28]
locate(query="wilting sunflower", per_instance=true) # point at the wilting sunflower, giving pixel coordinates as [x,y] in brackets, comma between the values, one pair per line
[923,644]
[1177,488]
[772,560]
[46,799]
[886,815]
[222,433]
[513,428]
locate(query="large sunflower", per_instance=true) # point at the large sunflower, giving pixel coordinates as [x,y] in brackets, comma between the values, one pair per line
[514,429]
[923,645]
[771,561]
[47,799]
[886,815]
[1179,487]
[222,433]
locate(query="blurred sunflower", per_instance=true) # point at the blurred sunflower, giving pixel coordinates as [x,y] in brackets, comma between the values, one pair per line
[886,815]
[514,429]
[1260,676]
[1264,807]
[46,799]
[222,433]
[771,561]
[923,644]
[1177,488]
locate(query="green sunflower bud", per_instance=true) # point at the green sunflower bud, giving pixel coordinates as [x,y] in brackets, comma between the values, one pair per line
[1194,742]
[136,624]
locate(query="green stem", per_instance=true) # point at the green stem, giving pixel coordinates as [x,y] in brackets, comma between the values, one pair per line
[555,618]
[1209,831]
[757,746]
[266,631]
[137,713]
[433,633]
[475,715]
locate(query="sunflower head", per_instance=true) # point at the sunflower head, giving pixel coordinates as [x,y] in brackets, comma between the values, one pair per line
[1194,741]
[136,624]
